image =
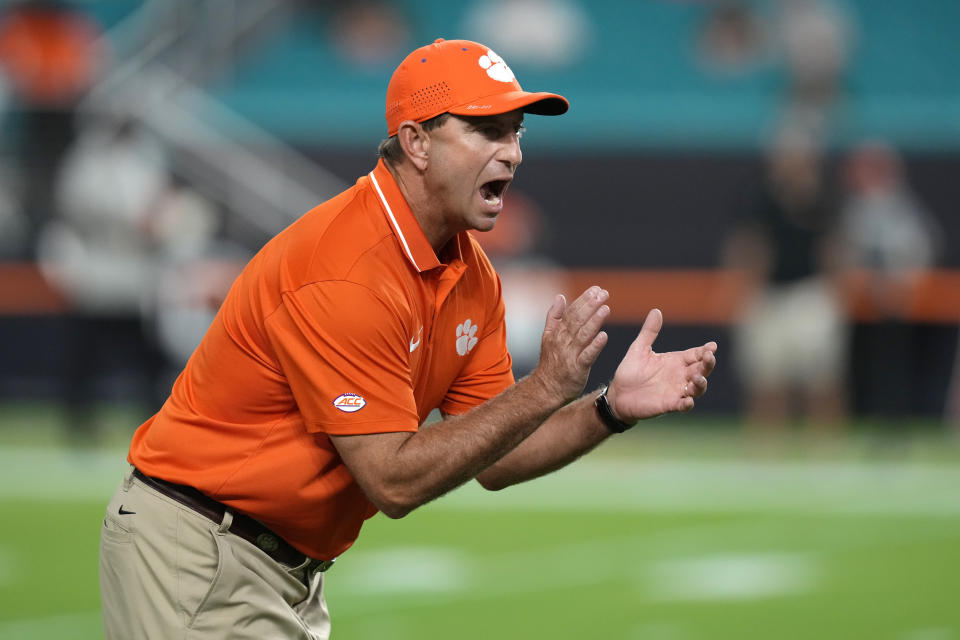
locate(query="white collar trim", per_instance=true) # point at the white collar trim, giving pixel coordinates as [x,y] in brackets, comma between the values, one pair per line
[393,221]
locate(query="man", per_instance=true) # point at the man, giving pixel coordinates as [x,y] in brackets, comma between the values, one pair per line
[791,337]
[299,414]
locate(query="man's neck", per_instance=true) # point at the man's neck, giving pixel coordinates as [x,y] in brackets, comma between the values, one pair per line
[414,191]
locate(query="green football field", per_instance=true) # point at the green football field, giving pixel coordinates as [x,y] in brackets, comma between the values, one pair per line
[684,530]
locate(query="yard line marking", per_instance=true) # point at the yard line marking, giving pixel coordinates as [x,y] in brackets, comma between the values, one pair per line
[730,576]
[665,564]
[407,570]
[658,563]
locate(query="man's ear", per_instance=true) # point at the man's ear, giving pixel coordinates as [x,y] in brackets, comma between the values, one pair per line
[415,142]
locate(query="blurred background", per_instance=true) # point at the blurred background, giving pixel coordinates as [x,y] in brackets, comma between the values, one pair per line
[776,175]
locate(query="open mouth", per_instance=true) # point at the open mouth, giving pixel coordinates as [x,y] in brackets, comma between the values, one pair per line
[492,191]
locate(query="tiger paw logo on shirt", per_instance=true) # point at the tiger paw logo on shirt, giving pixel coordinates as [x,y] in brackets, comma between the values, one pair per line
[349,402]
[466,337]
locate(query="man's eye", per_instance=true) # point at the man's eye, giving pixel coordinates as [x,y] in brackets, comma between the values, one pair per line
[520,131]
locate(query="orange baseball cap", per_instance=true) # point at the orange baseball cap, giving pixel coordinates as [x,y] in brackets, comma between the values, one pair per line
[460,77]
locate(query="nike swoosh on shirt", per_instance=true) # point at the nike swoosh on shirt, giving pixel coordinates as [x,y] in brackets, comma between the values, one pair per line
[414,345]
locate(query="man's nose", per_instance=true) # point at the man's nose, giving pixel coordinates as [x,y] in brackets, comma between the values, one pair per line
[511,153]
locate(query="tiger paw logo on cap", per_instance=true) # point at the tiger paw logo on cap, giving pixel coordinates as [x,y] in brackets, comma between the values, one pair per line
[495,66]
[443,77]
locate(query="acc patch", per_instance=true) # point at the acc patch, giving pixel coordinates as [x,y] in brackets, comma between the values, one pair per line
[350,402]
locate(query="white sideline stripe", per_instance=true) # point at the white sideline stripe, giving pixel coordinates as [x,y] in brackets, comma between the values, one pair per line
[677,486]
[66,625]
[393,220]
[907,489]
[930,633]
[56,474]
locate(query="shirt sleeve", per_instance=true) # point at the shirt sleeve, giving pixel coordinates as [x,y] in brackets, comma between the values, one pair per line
[344,353]
[490,369]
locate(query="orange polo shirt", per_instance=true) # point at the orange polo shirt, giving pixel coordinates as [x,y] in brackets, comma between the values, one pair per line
[344,323]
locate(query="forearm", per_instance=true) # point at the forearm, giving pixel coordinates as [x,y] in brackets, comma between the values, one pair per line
[401,471]
[445,455]
[564,436]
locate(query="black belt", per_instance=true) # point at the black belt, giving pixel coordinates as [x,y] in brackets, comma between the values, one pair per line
[244,526]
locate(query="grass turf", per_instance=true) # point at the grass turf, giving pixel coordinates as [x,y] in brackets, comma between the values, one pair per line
[683,535]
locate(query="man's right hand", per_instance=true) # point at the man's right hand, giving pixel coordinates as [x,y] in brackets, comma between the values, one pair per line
[571,342]
[401,471]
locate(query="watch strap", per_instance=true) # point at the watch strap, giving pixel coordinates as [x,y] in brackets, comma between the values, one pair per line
[605,412]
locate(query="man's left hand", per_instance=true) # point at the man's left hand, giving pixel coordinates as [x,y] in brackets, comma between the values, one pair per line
[648,384]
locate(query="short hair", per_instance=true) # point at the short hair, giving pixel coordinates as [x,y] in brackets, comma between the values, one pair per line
[390,149]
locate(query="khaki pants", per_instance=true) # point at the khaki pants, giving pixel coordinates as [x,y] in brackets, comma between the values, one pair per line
[793,334]
[166,572]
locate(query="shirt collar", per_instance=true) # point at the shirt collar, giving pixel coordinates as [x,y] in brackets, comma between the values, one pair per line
[412,239]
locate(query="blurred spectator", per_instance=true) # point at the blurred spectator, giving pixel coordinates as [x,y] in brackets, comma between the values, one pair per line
[816,40]
[953,395]
[100,253]
[187,294]
[370,32]
[549,33]
[13,224]
[50,54]
[889,238]
[791,340]
[194,271]
[732,37]
[530,280]
[885,228]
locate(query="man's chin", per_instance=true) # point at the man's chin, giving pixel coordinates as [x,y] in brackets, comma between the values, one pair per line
[486,222]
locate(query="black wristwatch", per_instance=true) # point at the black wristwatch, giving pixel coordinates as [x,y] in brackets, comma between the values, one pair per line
[606,413]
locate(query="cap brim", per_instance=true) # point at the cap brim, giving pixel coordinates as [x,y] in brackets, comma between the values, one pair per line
[540,103]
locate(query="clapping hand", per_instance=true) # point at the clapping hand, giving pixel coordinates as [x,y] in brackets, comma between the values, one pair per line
[648,384]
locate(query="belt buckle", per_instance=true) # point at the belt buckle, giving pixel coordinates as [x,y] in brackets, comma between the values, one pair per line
[268,542]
